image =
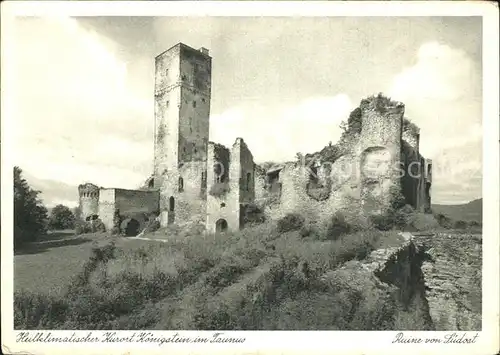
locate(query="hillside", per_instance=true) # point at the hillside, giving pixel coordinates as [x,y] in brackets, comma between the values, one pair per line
[471,211]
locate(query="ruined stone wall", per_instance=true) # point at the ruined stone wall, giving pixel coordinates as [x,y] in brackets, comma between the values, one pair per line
[182,99]
[246,179]
[129,203]
[136,201]
[412,176]
[88,200]
[379,149]
[453,278]
[167,104]
[107,207]
[222,176]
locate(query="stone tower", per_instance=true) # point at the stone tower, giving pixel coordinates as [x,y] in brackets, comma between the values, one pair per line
[380,152]
[182,110]
[88,200]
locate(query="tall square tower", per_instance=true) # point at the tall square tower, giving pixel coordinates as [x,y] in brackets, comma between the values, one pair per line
[182,106]
[182,110]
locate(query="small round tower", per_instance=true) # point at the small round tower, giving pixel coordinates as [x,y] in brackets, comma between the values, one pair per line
[89,200]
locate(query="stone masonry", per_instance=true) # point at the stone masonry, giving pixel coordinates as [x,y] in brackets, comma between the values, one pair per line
[197,181]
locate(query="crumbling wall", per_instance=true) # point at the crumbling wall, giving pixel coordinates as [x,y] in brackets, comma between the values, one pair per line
[107,207]
[194,110]
[222,188]
[246,180]
[379,148]
[453,278]
[129,203]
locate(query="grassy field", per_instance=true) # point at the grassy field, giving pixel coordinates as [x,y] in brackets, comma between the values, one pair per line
[47,266]
[269,276]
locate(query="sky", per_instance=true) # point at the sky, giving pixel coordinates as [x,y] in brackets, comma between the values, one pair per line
[84,104]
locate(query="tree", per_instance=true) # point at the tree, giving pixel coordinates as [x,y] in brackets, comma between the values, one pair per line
[61,217]
[30,215]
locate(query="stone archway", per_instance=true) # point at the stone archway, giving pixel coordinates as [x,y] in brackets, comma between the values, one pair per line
[130,227]
[221,225]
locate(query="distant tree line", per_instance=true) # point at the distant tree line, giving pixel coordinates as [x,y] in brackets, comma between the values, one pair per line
[31,217]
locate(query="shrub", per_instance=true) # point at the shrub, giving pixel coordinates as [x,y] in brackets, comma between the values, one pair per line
[252,214]
[61,217]
[318,191]
[400,218]
[382,222]
[34,311]
[290,222]
[460,224]
[152,225]
[424,221]
[336,227]
[82,227]
[474,224]
[444,221]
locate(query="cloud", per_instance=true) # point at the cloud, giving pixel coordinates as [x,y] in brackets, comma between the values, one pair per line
[442,94]
[276,133]
[78,115]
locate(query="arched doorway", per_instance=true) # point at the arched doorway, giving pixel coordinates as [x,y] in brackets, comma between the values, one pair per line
[221,225]
[171,204]
[131,227]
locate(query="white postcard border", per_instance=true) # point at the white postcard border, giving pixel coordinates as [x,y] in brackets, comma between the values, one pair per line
[264,341]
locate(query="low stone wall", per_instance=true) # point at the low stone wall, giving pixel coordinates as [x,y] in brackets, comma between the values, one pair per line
[443,270]
[453,277]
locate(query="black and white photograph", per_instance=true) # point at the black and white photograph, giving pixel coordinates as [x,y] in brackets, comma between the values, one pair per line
[247,173]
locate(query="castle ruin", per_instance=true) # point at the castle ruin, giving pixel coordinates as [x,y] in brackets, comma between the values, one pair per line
[198,181]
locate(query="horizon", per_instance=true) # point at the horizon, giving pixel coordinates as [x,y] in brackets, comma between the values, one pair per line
[274,89]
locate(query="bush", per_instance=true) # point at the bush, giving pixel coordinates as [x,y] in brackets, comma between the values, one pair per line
[444,221]
[291,222]
[61,217]
[461,225]
[98,226]
[383,222]
[337,226]
[400,218]
[474,224]
[82,227]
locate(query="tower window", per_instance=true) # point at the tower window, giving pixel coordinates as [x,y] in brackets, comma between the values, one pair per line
[203,180]
[168,103]
[194,104]
[203,100]
[166,72]
[249,177]
[181,184]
